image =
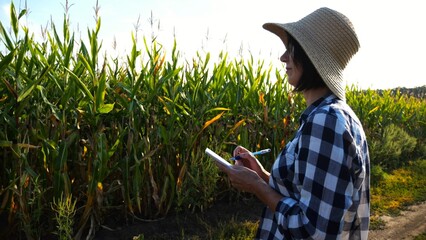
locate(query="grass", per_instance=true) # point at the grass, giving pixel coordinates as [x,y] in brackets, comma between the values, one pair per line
[236,230]
[402,187]
[420,237]
[397,190]
[224,220]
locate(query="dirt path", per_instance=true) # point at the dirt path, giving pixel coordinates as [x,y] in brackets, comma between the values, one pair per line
[409,224]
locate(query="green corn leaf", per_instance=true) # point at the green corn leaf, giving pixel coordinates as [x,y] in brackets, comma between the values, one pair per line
[67,57]
[22,13]
[6,61]
[31,87]
[137,85]
[103,157]
[66,183]
[81,85]
[6,37]
[22,51]
[30,171]
[114,147]
[100,90]
[105,108]
[5,143]
[98,25]
[59,165]
[14,19]
[219,109]
[57,38]
[66,29]
[134,54]
[26,92]
[10,88]
[83,49]
[87,65]
[53,107]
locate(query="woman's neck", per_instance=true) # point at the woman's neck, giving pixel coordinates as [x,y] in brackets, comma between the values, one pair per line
[311,95]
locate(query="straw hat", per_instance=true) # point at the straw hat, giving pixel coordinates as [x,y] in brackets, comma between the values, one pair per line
[329,40]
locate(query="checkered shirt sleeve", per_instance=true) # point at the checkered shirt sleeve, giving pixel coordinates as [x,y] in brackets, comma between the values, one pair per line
[323,176]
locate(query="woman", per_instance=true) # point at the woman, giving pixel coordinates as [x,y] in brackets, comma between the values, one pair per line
[318,187]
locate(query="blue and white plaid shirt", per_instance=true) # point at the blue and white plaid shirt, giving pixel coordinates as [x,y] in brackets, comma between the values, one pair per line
[323,175]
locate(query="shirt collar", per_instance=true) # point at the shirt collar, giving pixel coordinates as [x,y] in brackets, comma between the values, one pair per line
[324,100]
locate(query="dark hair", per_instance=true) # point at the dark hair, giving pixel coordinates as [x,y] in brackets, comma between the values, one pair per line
[310,78]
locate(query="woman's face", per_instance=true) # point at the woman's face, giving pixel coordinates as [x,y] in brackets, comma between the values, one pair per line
[293,70]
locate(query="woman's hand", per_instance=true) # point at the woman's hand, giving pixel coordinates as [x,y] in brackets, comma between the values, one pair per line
[247,171]
[248,175]
[244,179]
[249,161]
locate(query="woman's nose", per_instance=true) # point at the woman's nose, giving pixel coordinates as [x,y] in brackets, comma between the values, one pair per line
[284,57]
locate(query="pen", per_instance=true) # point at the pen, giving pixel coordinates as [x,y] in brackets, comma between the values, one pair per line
[254,153]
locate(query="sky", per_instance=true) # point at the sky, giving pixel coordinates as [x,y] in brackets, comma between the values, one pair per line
[391,32]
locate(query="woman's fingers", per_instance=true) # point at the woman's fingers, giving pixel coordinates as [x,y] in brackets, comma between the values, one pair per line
[239,150]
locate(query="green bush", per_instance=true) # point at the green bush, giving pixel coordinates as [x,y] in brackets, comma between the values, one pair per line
[393,148]
[377,175]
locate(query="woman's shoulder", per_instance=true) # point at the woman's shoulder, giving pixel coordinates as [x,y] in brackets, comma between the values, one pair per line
[334,113]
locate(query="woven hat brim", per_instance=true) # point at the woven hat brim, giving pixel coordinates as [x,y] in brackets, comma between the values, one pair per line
[325,65]
[328,39]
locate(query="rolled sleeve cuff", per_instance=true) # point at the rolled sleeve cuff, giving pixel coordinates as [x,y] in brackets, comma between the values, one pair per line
[283,209]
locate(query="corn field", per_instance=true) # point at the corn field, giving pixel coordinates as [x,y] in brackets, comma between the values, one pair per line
[84,135]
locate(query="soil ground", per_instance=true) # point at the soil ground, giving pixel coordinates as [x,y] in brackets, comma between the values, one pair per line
[189,224]
[407,225]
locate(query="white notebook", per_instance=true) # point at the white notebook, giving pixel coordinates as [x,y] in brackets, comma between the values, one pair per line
[217,158]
